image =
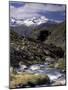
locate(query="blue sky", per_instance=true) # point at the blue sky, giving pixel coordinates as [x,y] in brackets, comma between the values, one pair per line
[21,10]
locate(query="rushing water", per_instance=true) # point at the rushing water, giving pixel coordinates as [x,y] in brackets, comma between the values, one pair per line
[53,73]
[44,69]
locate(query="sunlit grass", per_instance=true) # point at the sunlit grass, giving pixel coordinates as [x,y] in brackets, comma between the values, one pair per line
[28,79]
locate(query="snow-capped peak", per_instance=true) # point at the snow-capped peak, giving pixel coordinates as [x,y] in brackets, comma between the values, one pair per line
[43,18]
[33,21]
[29,21]
[12,20]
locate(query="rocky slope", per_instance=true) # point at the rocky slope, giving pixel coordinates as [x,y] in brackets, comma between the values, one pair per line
[31,52]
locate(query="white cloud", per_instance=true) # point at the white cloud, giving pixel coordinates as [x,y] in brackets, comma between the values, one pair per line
[30,9]
[55,8]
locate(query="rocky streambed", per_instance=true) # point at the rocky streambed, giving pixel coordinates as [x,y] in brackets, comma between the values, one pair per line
[56,77]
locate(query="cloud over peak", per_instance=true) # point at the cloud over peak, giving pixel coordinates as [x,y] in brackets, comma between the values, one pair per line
[27,10]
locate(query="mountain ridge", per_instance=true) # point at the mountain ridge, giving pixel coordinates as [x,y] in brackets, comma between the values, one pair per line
[34,21]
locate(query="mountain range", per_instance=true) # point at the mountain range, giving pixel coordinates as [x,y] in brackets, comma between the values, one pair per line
[24,27]
[33,21]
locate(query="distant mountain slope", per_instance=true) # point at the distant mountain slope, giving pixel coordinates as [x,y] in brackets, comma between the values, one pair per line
[23,30]
[57,36]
